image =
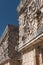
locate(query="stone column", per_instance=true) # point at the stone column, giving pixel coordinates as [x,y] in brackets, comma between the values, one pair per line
[41,57]
[37,57]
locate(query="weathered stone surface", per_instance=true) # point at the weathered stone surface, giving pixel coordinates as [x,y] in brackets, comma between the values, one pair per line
[29,58]
[31,31]
[9,45]
[30,22]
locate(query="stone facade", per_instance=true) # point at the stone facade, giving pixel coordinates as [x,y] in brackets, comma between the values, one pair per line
[30,21]
[23,45]
[9,54]
[31,31]
[28,58]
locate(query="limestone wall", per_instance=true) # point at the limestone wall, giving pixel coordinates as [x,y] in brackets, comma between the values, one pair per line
[29,58]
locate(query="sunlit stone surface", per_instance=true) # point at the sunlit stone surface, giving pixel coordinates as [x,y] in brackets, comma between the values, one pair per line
[31,31]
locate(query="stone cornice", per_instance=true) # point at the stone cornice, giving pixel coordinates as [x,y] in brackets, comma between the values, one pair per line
[34,41]
[4,34]
[6,31]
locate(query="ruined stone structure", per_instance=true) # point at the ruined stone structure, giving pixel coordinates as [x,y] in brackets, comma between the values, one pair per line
[9,54]
[31,31]
[23,45]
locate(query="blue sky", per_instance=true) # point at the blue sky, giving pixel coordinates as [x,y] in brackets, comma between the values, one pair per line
[8,13]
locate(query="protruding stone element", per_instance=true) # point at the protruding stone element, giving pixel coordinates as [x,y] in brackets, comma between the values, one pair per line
[8,42]
[30,21]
